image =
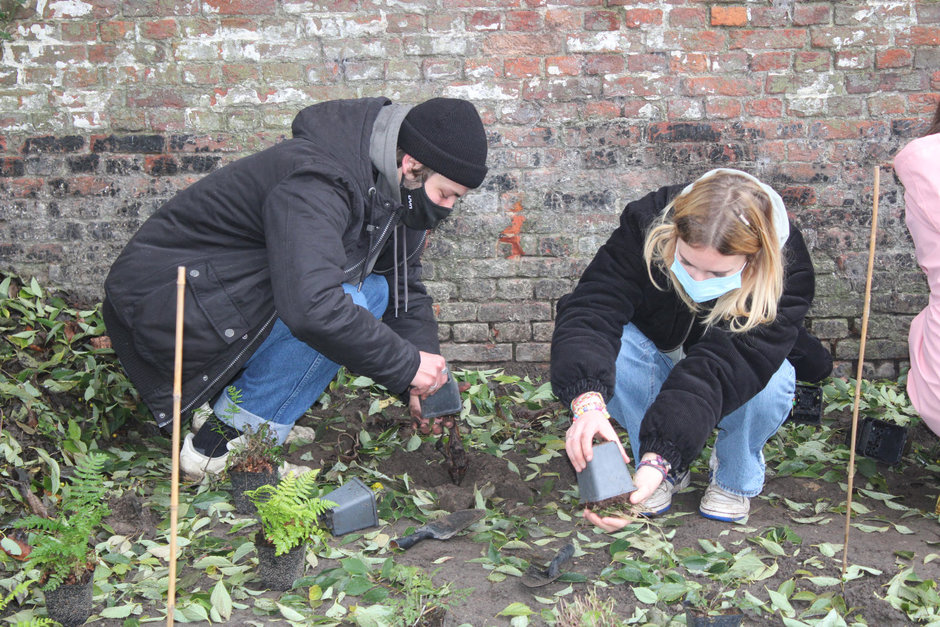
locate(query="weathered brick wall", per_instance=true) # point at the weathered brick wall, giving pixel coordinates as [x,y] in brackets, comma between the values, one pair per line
[108,107]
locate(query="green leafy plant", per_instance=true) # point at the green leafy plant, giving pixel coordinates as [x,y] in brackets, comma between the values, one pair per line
[290,511]
[62,550]
[885,400]
[21,588]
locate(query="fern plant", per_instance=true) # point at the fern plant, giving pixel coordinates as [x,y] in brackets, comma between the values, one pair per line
[61,548]
[290,511]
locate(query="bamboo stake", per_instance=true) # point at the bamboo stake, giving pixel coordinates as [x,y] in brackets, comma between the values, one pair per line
[861,363]
[175,466]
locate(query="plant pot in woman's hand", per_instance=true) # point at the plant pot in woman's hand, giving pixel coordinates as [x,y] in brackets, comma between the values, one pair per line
[278,572]
[605,480]
[70,603]
[243,481]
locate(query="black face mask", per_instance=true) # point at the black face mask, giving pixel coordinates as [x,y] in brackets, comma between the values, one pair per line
[420,212]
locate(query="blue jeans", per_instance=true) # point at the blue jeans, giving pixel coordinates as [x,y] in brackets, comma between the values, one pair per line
[285,376]
[641,369]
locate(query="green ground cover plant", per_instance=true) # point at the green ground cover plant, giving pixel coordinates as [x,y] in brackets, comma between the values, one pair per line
[64,399]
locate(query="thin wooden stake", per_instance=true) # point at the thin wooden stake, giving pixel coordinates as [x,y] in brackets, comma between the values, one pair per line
[175,466]
[861,363]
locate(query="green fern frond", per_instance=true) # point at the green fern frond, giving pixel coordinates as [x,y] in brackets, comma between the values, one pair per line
[289,512]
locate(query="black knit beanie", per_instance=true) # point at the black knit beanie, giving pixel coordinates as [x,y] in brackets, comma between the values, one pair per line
[446,134]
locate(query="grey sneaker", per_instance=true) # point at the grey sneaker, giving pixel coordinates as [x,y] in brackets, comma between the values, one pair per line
[718,504]
[660,500]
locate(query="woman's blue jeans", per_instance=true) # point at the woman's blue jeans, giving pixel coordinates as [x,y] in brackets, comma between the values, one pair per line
[285,376]
[642,368]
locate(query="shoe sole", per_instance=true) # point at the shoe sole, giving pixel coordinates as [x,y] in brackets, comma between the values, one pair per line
[658,513]
[721,518]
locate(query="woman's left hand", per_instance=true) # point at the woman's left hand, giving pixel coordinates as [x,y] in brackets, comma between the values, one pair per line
[646,480]
[607,523]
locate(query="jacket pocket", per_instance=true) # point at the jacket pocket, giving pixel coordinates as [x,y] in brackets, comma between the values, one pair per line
[211,321]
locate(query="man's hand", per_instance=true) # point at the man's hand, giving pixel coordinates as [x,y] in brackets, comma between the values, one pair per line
[579,439]
[607,523]
[431,375]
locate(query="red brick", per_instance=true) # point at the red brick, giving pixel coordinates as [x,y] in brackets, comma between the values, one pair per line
[25,187]
[923,103]
[688,17]
[601,20]
[79,77]
[485,20]
[637,18]
[811,61]
[769,61]
[809,153]
[602,109]
[78,31]
[722,108]
[408,23]
[841,37]
[647,63]
[102,54]
[562,66]
[691,62]
[696,41]
[556,19]
[763,39]
[810,14]
[684,109]
[520,44]
[729,16]
[893,58]
[522,20]
[887,104]
[603,64]
[240,7]
[764,108]
[854,59]
[709,85]
[159,29]
[238,73]
[522,67]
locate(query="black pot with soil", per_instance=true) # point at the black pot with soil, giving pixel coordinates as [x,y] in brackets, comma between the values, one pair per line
[279,572]
[807,405]
[694,618]
[70,603]
[242,481]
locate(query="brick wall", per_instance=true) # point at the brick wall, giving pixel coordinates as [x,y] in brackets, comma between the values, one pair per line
[108,107]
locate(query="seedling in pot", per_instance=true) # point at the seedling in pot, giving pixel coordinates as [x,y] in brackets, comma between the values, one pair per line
[289,513]
[63,547]
[446,402]
[253,462]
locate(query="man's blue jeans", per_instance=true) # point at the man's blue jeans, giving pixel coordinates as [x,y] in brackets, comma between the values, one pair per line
[285,376]
[642,368]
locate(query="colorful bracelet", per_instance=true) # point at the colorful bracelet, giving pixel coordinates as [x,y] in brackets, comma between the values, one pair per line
[589,401]
[658,463]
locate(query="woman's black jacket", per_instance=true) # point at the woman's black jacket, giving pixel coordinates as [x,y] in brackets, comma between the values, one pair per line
[721,371]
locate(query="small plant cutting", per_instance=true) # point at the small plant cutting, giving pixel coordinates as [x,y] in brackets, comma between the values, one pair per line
[289,513]
[253,461]
[62,546]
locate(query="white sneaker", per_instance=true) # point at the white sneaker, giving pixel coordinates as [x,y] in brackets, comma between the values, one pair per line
[718,504]
[660,500]
[200,415]
[195,465]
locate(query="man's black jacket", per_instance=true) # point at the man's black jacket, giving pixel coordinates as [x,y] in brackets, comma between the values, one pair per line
[721,371]
[275,235]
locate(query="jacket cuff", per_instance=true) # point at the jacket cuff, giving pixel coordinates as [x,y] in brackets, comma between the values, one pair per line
[569,393]
[667,450]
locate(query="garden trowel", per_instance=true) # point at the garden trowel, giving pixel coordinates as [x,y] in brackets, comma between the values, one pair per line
[535,576]
[440,529]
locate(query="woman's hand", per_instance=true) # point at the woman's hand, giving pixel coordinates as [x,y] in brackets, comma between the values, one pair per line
[579,439]
[607,523]
[646,480]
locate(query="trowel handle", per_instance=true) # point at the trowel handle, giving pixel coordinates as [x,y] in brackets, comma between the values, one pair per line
[563,556]
[412,539]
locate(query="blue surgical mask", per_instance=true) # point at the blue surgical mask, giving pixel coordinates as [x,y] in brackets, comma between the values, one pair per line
[706,289]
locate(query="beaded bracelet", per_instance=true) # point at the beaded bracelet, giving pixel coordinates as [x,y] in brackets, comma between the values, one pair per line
[658,463]
[589,401]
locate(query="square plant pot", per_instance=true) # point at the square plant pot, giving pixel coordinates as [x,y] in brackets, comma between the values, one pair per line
[693,618]
[445,402]
[605,477]
[355,508]
[880,440]
[807,405]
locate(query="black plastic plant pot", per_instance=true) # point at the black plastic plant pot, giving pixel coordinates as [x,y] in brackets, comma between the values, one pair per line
[807,405]
[605,480]
[445,402]
[279,572]
[70,604]
[355,508]
[693,618]
[243,481]
[880,440]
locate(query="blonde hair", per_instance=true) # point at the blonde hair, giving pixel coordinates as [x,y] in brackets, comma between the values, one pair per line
[733,215]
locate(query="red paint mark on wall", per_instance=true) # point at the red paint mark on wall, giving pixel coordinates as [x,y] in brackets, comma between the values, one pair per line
[510,234]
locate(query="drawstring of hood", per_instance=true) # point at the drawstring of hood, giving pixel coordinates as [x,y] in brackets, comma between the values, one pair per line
[404,263]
